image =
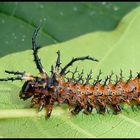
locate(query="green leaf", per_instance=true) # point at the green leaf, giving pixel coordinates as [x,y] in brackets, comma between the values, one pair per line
[118,49]
[60,21]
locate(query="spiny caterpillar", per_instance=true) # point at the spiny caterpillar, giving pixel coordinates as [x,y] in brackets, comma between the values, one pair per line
[76,93]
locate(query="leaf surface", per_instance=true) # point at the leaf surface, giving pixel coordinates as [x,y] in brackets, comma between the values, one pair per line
[118,49]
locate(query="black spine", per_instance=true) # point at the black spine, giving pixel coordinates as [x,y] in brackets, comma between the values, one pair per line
[11,79]
[35,49]
[77,59]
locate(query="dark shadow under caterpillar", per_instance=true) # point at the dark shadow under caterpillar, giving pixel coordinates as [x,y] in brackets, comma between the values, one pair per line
[75,92]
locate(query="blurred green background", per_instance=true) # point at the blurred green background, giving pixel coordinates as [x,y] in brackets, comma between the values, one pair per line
[61,21]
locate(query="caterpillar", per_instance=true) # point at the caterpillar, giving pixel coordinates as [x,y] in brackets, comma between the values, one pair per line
[78,94]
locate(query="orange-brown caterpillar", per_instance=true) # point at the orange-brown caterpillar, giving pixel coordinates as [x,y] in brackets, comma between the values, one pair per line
[77,94]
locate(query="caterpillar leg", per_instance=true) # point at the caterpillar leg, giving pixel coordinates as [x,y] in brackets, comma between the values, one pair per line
[102,109]
[48,111]
[77,109]
[34,101]
[41,104]
[88,109]
[116,108]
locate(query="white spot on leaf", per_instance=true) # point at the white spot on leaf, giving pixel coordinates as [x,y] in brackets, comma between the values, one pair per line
[15,37]
[3,21]
[44,19]
[75,9]
[92,13]
[40,20]
[104,3]
[6,42]
[115,8]
[13,34]
[61,13]
[41,6]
